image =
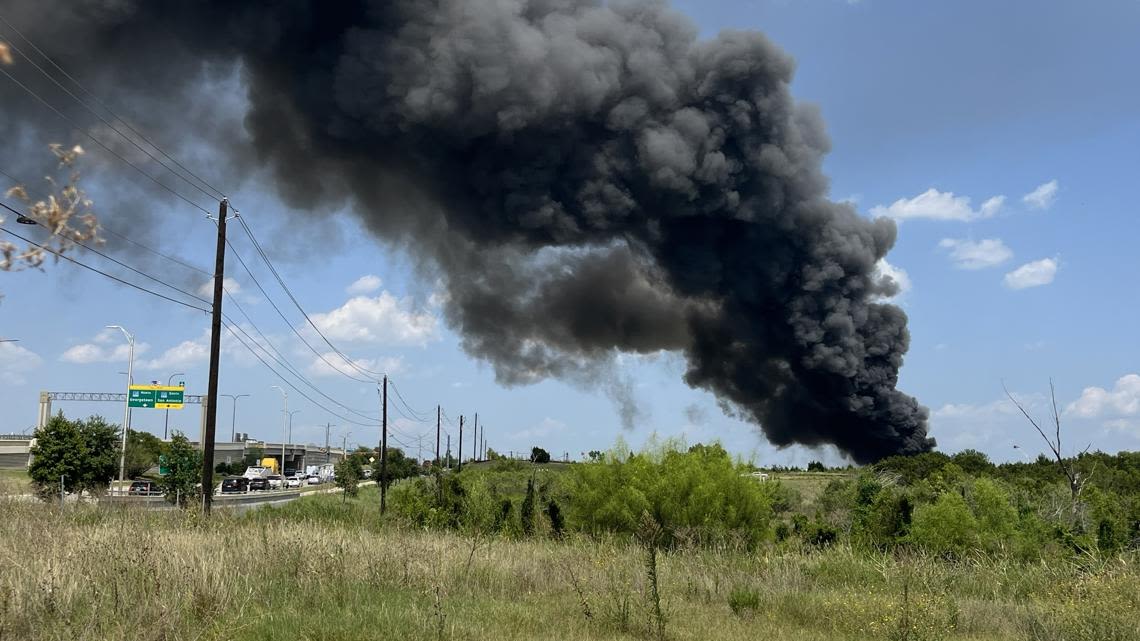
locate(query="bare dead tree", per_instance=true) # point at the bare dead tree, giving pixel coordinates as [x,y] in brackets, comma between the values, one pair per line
[1067,466]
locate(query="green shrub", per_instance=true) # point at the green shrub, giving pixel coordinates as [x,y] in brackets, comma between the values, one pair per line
[743,601]
[699,493]
[946,527]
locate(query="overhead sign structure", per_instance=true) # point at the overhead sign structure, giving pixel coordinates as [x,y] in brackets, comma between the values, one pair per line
[159,397]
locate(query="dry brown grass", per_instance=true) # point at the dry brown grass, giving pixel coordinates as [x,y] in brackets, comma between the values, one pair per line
[293,574]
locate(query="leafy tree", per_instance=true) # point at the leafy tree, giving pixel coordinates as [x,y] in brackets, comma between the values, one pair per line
[143,449]
[539,455]
[816,466]
[700,493]
[184,470]
[253,456]
[84,453]
[399,466]
[348,473]
[972,462]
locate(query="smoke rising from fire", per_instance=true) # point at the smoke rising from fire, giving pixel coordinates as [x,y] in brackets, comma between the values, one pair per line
[586,178]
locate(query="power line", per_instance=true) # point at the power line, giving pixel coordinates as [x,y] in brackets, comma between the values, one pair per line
[104,106]
[290,384]
[97,271]
[121,264]
[215,195]
[157,253]
[419,415]
[284,318]
[284,362]
[101,144]
[289,293]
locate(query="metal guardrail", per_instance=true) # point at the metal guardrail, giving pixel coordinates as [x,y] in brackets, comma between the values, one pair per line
[249,499]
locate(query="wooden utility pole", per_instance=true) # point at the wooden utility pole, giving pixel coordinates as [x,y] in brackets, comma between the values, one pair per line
[215,353]
[460,467]
[438,411]
[447,456]
[384,449]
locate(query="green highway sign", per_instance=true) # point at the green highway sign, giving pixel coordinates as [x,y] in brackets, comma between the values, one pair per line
[159,397]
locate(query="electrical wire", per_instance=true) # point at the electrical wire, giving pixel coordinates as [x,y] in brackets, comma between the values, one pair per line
[156,252]
[257,283]
[101,144]
[290,384]
[281,361]
[98,271]
[216,195]
[102,105]
[284,362]
[289,293]
[420,416]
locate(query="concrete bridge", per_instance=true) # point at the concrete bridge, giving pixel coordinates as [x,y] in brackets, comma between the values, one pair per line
[16,452]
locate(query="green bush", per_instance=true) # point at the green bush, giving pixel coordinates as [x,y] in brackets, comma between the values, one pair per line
[946,527]
[743,601]
[699,494]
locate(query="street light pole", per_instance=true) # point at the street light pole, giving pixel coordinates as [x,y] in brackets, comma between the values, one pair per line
[127,404]
[284,424]
[290,436]
[233,419]
[166,424]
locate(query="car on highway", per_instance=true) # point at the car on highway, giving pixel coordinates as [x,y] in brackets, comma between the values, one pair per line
[144,487]
[314,479]
[258,483]
[234,485]
[293,481]
[276,481]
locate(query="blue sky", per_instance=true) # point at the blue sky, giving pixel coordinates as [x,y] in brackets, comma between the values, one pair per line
[1005,138]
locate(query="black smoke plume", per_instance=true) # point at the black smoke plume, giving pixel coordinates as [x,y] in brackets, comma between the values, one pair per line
[587,178]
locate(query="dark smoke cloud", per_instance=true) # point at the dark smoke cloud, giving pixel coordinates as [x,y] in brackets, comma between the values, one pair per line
[588,179]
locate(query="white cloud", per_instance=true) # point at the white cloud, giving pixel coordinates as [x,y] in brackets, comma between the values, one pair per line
[994,427]
[230,285]
[383,319]
[969,254]
[333,365]
[1122,400]
[938,205]
[1043,196]
[184,354]
[545,428]
[364,285]
[1129,427]
[1035,274]
[15,361]
[87,353]
[885,271]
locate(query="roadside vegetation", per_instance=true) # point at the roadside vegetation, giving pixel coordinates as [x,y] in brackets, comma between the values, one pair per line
[671,542]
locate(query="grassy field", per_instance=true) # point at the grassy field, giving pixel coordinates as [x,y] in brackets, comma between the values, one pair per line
[809,485]
[14,482]
[321,568]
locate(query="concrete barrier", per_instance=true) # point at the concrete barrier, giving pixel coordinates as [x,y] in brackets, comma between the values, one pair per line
[222,501]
